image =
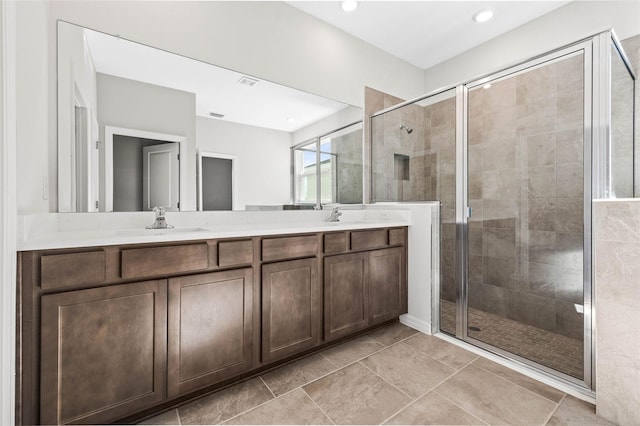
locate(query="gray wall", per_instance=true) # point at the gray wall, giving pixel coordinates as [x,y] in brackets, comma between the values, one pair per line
[142,106]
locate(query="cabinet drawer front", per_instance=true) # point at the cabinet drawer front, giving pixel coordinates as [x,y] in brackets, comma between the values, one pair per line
[64,270]
[289,247]
[335,243]
[233,253]
[153,261]
[396,237]
[363,240]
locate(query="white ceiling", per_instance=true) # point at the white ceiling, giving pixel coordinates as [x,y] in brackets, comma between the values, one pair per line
[217,90]
[425,33]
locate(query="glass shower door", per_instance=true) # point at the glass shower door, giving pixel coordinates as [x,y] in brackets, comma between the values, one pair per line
[525,232]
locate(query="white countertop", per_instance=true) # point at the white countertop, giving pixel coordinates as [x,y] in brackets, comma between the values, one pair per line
[57,231]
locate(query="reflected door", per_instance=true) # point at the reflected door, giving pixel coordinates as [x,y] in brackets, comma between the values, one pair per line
[217,183]
[526,231]
[161,176]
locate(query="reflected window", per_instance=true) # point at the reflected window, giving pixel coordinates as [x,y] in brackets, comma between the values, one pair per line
[328,169]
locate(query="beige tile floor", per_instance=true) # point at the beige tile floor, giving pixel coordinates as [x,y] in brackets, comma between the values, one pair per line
[393,375]
[554,350]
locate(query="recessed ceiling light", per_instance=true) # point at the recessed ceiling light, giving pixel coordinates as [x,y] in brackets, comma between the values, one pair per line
[483,15]
[291,120]
[486,86]
[349,5]
[248,81]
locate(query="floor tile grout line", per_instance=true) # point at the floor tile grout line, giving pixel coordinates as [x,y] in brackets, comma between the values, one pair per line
[399,411]
[367,355]
[460,407]
[548,419]
[327,358]
[431,389]
[178,416]
[265,383]
[252,408]
[399,341]
[389,383]
[319,407]
[520,386]
[510,381]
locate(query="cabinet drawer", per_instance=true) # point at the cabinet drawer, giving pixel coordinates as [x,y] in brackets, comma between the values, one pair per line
[363,240]
[153,261]
[289,247]
[233,253]
[335,243]
[396,237]
[64,270]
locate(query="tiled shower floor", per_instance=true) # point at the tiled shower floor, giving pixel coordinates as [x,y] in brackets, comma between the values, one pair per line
[553,350]
[393,375]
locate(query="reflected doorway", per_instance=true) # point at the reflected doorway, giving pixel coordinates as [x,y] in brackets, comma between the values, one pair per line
[216,182]
[142,170]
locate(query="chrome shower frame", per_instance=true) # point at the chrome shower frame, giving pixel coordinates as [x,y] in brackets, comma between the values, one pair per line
[597,50]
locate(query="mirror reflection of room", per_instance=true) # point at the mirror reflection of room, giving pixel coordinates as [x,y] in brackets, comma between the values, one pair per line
[118,99]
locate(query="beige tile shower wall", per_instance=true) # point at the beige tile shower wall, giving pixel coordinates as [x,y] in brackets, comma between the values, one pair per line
[374,101]
[420,166]
[525,188]
[617,299]
[631,47]
[348,150]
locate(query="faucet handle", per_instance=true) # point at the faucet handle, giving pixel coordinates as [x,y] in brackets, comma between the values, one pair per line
[159,211]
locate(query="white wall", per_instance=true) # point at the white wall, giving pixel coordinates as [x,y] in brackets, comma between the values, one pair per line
[564,25]
[7,211]
[33,132]
[147,107]
[328,124]
[261,159]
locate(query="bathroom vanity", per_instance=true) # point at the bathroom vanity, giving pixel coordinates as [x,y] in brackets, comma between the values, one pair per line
[108,332]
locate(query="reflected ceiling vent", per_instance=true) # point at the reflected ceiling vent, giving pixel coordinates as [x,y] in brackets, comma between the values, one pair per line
[216,115]
[248,81]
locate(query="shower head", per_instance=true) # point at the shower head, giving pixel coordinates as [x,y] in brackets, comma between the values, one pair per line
[406,128]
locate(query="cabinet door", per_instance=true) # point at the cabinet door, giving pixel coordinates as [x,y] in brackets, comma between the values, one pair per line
[346,294]
[386,284]
[210,329]
[103,352]
[290,308]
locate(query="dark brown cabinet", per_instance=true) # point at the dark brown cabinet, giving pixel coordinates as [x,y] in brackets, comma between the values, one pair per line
[103,352]
[346,288]
[290,308]
[210,328]
[363,289]
[97,344]
[386,284]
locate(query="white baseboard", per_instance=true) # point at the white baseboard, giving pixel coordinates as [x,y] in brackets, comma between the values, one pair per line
[416,323]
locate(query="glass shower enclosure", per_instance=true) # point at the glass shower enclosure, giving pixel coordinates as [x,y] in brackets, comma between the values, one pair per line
[515,159]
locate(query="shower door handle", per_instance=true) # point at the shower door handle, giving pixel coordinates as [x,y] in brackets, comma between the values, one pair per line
[468,212]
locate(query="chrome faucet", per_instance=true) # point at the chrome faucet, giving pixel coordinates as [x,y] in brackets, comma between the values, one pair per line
[161,222]
[335,215]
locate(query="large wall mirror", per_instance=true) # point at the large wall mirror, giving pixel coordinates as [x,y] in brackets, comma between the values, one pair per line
[140,127]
